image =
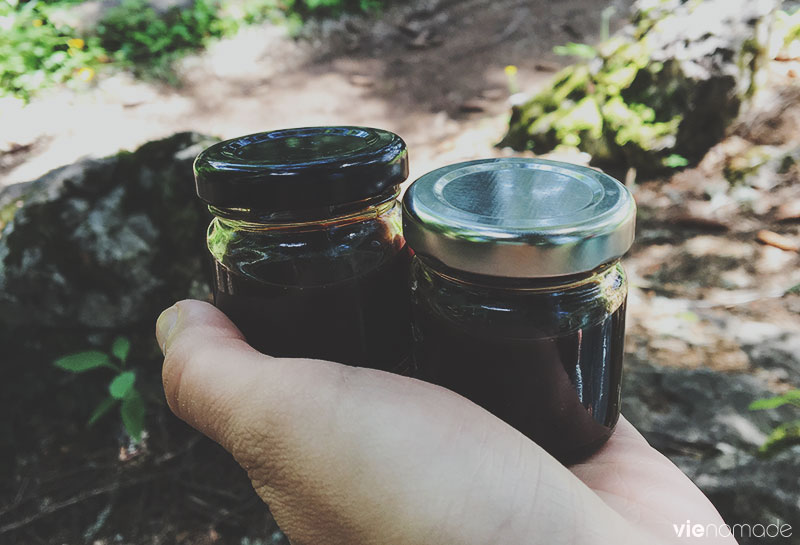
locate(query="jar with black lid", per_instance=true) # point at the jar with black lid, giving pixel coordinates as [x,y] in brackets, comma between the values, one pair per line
[308,253]
[518,294]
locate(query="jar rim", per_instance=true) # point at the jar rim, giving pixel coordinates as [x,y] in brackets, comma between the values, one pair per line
[538,284]
[265,219]
[519,217]
[300,168]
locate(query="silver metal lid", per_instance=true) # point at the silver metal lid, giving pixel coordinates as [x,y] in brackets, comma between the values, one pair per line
[519,218]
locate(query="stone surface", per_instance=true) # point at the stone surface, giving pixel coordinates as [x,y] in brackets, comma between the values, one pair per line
[700,420]
[660,93]
[90,251]
[103,243]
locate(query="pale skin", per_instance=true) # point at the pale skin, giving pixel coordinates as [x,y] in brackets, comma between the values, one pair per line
[352,456]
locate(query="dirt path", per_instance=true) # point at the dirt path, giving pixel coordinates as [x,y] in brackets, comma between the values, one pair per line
[704,292]
[433,71]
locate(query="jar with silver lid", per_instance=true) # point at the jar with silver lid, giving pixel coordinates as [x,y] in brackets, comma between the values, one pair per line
[518,293]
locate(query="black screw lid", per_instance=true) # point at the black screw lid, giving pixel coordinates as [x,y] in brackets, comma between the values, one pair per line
[300,168]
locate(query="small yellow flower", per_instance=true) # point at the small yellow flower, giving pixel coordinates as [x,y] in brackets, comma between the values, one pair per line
[85,74]
[511,76]
[76,43]
[37,22]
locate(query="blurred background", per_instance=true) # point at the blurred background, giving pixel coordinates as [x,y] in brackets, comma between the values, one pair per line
[105,103]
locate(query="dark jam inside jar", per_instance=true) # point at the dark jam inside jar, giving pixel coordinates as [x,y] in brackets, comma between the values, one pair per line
[518,294]
[334,290]
[544,357]
[344,321]
[308,254]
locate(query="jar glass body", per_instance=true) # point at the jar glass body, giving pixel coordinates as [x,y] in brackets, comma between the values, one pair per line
[545,355]
[328,284]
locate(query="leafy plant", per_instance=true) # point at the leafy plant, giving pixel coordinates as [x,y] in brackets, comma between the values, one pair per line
[122,389]
[36,52]
[584,51]
[785,434]
[137,36]
[675,161]
[325,8]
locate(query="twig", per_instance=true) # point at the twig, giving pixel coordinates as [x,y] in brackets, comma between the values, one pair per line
[167,456]
[18,498]
[89,494]
[732,299]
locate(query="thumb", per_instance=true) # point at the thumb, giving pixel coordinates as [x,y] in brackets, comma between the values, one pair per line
[218,383]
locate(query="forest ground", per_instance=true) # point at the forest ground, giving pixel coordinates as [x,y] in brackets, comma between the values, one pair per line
[706,282]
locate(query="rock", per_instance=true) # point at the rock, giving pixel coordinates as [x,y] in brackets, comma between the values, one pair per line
[788,211]
[782,351]
[763,167]
[700,420]
[103,243]
[774,118]
[87,252]
[658,95]
[473,106]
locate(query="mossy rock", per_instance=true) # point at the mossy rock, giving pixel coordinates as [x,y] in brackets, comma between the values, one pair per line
[90,251]
[102,243]
[763,167]
[668,86]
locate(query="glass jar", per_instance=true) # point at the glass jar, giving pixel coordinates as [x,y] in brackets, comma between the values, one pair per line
[518,294]
[308,254]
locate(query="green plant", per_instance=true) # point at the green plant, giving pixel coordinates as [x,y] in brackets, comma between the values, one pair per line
[675,161]
[121,389]
[327,8]
[605,22]
[139,37]
[36,52]
[584,51]
[785,434]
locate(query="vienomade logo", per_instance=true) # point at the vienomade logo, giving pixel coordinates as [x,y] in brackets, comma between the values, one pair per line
[774,530]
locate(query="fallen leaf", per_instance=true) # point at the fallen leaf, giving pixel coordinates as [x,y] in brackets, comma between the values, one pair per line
[788,211]
[772,238]
[362,81]
[472,106]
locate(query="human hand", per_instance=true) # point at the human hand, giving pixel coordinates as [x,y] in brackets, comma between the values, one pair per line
[346,455]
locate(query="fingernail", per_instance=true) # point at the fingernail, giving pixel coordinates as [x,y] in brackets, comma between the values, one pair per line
[165,325]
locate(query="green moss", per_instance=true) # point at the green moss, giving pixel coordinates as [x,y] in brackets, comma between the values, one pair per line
[787,26]
[740,167]
[636,124]
[575,84]
[776,160]
[584,117]
[624,106]
[7,212]
[585,109]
